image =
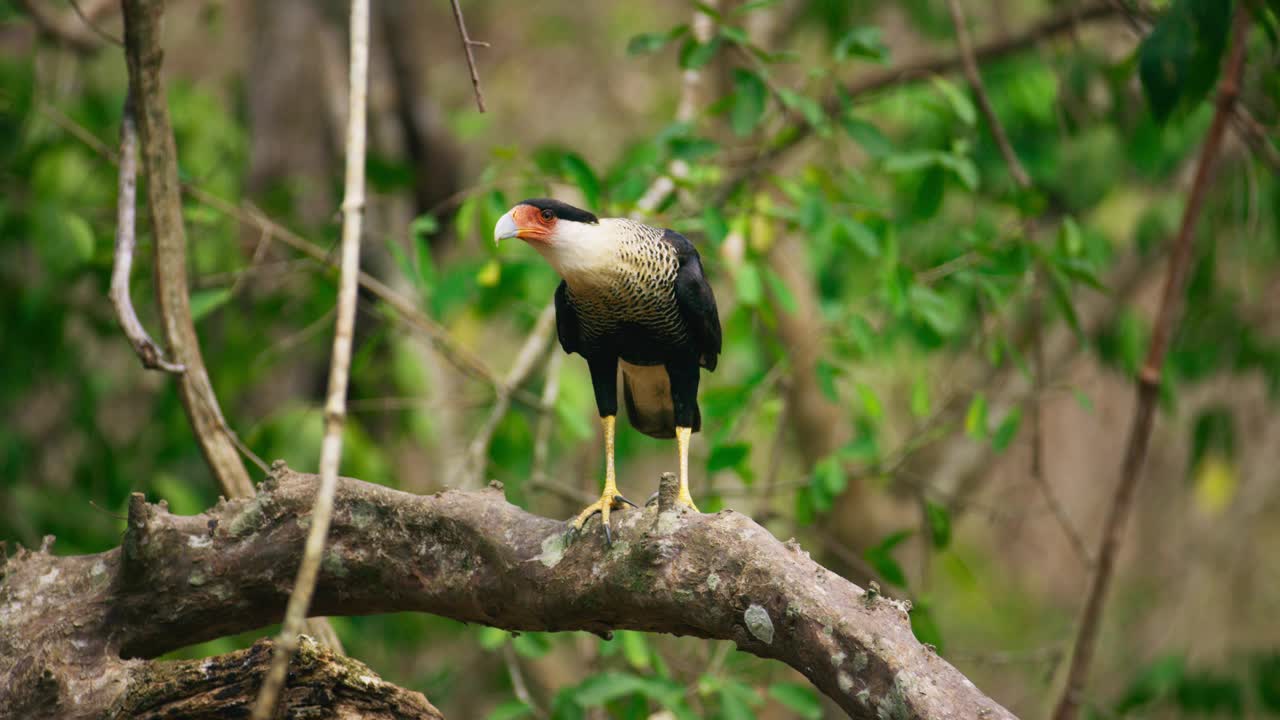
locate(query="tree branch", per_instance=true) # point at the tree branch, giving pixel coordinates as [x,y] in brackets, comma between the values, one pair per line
[470,556]
[1148,381]
[126,223]
[335,411]
[467,43]
[322,683]
[970,65]
[160,165]
[74,30]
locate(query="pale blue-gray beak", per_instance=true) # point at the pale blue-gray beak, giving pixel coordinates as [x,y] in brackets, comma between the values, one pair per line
[506,228]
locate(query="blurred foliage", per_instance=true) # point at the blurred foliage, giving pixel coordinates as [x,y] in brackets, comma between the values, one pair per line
[914,235]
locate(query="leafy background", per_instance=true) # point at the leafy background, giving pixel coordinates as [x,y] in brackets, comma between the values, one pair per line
[903,323]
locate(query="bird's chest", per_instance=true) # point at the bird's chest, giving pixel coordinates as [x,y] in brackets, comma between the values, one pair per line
[633,294]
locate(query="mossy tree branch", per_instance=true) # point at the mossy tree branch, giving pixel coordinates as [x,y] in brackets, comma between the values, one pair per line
[470,556]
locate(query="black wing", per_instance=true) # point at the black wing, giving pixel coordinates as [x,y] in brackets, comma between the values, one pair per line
[696,301]
[566,320]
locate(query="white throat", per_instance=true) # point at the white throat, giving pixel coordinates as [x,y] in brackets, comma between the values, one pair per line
[583,254]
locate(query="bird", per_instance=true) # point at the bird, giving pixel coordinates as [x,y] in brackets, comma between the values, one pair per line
[632,296]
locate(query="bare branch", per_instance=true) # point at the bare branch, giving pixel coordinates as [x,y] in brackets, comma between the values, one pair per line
[974,77]
[473,557]
[126,222]
[335,413]
[546,415]
[76,33]
[160,165]
[534,347]
[1148,380]
[467,44]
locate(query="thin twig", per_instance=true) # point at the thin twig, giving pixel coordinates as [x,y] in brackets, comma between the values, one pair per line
[1038,473]
[467,43]
[518,685]
[970,66]
[690,82]
[65,29]
[87,19]
[535,345]
[126,222]
[546,416]
[339,369]
[1148,380]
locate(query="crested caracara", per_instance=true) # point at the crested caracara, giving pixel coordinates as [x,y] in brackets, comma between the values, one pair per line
[635,296]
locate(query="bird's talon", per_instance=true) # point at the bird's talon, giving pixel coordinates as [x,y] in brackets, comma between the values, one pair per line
[602,507]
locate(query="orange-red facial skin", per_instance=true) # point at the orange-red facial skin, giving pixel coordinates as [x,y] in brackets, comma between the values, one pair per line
[531,225]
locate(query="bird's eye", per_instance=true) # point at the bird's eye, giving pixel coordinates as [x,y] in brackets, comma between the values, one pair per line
[547,215]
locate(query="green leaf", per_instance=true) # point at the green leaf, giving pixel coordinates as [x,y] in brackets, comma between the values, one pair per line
[806,106]
[923,623]
[605,687]
[1060,291]
[780,291]
[871,406]
[1070,240]
[583,176]
[801,699]
[881,558]
[492,638]
[827,373]
[734,707]
[936,310]
[532,644]
[868,136]
[752,6]
[635,648]
[862,42]
[80,237]
[1156,681]
[714,224]
[958,99]
[646,43]
[1007,430]
[975,420]
[204,302]
[510,710]
[726,456]
[920,402]
[747,283]
[830,477]
[694,55]
[939,524]
[1178,61]
[747,103]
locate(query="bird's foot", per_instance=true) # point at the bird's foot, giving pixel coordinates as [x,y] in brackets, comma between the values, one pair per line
[609,500]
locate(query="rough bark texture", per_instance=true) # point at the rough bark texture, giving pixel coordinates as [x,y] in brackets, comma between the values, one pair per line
[471,556]
[322,684]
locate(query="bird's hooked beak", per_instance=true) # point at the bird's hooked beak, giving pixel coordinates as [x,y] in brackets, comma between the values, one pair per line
[506,228]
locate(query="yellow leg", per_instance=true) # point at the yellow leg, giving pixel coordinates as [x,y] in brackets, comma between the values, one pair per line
[610,498]
[682,442]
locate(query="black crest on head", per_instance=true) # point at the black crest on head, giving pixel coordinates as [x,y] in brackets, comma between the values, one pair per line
[562,210]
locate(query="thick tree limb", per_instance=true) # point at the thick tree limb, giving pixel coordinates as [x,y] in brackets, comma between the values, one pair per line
[160,166]
[466,555]
[1148,381]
